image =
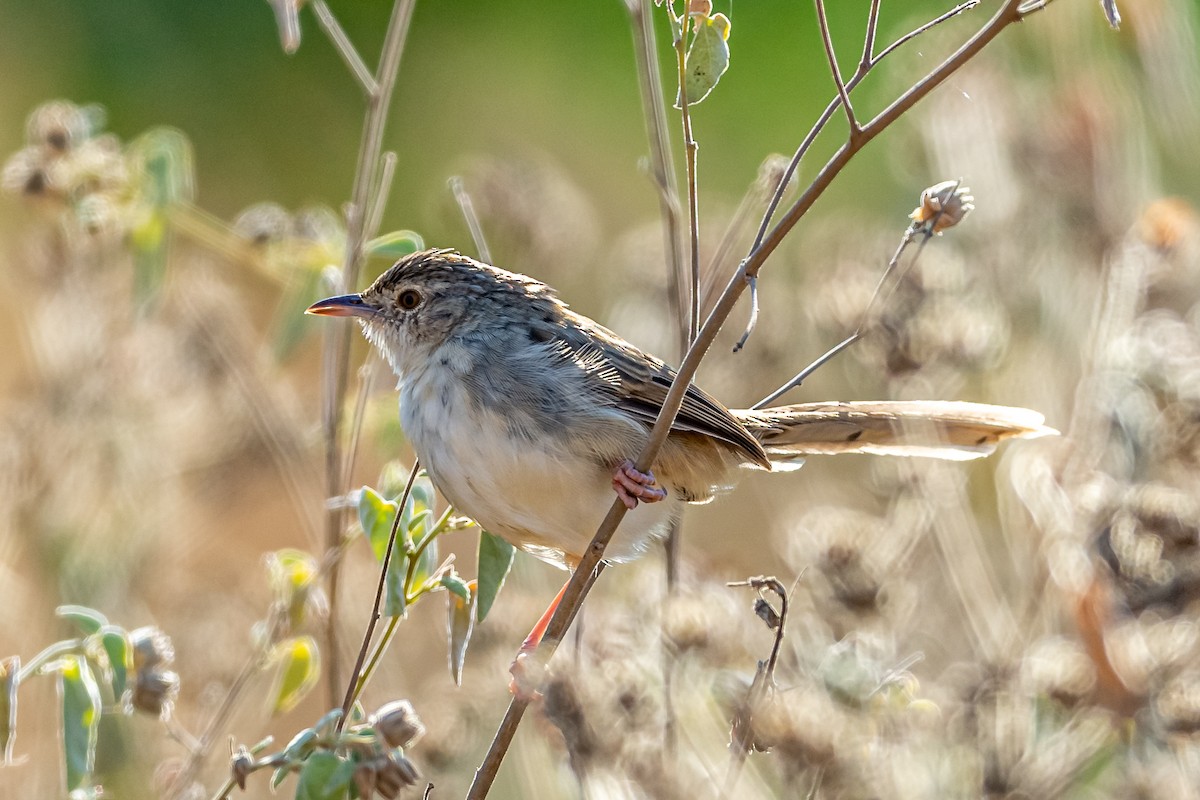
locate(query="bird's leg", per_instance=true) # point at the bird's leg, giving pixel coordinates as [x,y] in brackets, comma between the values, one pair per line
[526,674]
[632,485]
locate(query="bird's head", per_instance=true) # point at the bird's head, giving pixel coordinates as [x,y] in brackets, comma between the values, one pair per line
[433,297]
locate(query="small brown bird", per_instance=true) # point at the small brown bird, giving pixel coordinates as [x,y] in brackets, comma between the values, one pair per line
[526,414]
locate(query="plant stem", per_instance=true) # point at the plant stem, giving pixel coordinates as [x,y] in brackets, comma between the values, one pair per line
[336,356]
[831,56]
[661,160]
[690,148]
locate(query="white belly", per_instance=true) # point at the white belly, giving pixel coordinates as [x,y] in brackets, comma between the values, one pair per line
[535,493]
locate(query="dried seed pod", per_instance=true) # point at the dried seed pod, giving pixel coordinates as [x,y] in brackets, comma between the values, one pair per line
[151,648]
[155,690]
[398,724]
[943,206]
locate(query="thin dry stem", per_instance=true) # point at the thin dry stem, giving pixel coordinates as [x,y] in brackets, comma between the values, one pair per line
[578,586]
[662,166]
[345,48]
[368,182]
[742,736]
[352,688]
[463,198]
[869,39]
[690,151]
[868,313]
[220,718]
[831,56]
[832,106]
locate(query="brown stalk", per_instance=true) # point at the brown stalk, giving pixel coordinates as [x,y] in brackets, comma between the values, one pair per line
[662,168]
[831,56]
[370,176]
[577,588]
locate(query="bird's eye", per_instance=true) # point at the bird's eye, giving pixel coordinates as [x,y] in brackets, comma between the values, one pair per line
[409,299]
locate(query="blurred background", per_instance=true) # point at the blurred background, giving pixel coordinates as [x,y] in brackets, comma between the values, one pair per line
[1022,625]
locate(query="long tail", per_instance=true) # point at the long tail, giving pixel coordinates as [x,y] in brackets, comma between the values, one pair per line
[930,429]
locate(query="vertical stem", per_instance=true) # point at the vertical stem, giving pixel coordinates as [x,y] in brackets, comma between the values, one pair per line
[831,55]
[336,357]
[661,161]
[690,148]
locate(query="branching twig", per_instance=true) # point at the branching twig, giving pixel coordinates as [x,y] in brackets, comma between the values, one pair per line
[341,43]
[741,737]
[577,588]
[831,55]
[823,119]
[863,324]
[869,38]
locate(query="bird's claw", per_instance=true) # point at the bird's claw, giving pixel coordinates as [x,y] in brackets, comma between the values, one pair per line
[527,672]
[632,485]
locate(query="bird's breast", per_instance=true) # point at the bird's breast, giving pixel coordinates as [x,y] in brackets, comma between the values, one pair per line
[518,480]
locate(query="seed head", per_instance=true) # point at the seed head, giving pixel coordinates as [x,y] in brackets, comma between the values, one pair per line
[943,206]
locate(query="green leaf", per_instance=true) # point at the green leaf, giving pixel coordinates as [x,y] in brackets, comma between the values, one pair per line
[292,574]
[115,642]
[299,662]
[301,745]
[420,527]
[165,157]
[395,244]
[395,604]
[707,58]
[427,562]
[150,238]
[423,495]
[278,775]
[10,673]
[80,719]
[460,621]
[455,584]
[324,776]
[376,516]
[86,619]
[495,560]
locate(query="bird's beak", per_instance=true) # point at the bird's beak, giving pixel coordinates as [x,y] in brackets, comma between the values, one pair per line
[346,305]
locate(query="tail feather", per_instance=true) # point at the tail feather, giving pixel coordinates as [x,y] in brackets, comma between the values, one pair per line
[931,429]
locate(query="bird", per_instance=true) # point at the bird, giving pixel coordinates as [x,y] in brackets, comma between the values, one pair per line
[526,414]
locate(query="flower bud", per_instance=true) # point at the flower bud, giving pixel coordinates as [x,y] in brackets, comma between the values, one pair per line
[393,774]
[155,690]
[366,779]
[57,126]
[151,648]
[240,767]
[398,724]
[943,206]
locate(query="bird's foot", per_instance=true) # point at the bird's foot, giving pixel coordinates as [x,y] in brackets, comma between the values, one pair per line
[632,485]
[527,672]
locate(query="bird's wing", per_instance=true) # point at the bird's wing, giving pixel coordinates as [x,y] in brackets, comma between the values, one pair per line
[638,383]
